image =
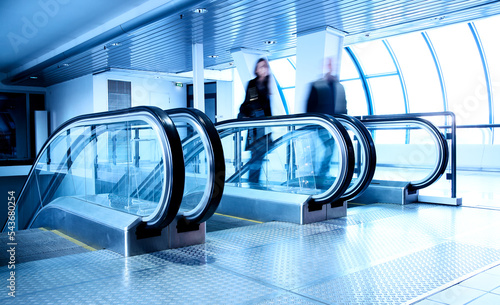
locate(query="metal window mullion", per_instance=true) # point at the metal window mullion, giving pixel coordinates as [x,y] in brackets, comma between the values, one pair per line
[438,69]
[382,75]
[486,71]
[402,82]
[291,63]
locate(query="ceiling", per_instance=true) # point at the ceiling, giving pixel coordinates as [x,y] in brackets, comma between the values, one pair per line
[45,44]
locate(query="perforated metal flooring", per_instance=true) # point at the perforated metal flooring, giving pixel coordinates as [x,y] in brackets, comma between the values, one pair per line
[37,244]
[378,254]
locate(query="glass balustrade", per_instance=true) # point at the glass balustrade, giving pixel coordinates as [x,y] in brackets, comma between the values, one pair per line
[119,160]
[301,154]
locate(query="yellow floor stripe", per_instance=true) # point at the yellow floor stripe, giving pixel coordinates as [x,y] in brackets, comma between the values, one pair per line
[71,239]
[357,203]
[239,218]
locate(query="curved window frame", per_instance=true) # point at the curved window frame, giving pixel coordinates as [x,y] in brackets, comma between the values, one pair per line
[364,77]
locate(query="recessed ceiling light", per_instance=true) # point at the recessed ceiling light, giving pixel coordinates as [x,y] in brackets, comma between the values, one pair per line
[200,10]
[34,77]
[114,44]
[63,65]
[213,56]
[270,42]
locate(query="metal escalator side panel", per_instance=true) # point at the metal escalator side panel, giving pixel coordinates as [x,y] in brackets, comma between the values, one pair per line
[205,140]
[300,124]
[41,187]
[365,158]
[441,146]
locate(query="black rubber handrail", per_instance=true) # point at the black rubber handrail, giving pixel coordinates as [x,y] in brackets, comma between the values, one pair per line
[443,151]
[217,170]
[175,178]
[370,157]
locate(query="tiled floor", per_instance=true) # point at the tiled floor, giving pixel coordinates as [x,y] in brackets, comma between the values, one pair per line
[482,288]
[478,189]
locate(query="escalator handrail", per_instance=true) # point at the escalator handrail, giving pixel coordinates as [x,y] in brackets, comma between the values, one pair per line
[333,126]
[443,154]
[370,156]
[216,163]
[167,208]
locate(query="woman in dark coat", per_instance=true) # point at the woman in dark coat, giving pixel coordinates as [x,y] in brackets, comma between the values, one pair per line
[257,104]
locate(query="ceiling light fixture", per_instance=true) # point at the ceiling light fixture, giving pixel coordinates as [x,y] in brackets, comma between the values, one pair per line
[213,56]
[270,42]
[34,77]
[63,65]
[200,10]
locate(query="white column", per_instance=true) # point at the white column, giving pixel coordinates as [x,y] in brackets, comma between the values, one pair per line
[198,78]
[245,61]
[41,129]
[313,47]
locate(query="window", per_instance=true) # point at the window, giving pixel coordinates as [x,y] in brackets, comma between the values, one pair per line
[421,78]
[487,30]
[17,126]
[463,73]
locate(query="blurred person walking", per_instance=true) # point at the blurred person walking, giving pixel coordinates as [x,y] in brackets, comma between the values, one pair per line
[327,96]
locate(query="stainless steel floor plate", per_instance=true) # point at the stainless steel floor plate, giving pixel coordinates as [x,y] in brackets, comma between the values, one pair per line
[405,278]
[378,254]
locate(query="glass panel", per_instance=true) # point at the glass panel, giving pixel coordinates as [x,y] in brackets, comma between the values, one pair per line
[463,73]
[389,136]
[419,72]
[132,184]
[487,30]
[85,163]
[283,71]
[356,98]
[298,159]
[473,135]
[387,95]
[397,161]
[347,68]
[374,57]
[195,163]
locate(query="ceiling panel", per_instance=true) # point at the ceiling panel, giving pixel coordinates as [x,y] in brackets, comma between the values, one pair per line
[165,44]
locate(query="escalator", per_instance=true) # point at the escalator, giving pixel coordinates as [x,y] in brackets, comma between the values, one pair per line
[412,154]
[116,180]
[308,162]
